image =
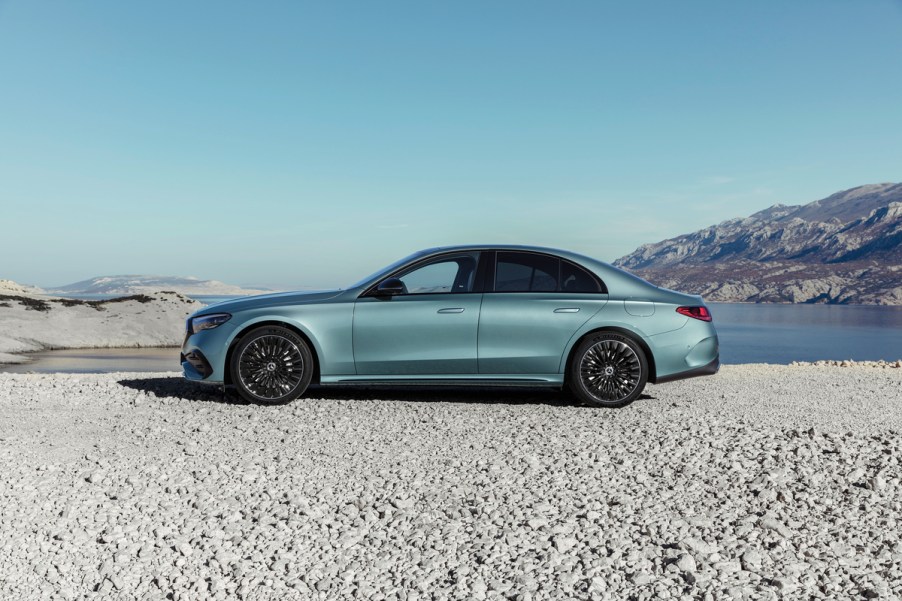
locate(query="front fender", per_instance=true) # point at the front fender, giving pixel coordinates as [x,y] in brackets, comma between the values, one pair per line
[327,327]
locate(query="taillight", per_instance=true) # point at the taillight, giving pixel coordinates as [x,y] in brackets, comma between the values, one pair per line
[701,313]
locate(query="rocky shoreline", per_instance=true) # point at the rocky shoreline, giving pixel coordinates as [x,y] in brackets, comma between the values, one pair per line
[849,363]
[32,323]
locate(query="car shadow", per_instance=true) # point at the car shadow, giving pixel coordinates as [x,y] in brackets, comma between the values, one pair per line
[180,388]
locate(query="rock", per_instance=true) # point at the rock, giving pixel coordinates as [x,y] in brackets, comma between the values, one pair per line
[855,475]
[699,546]
[403,503]
[877,483]
[564,543]
[641,578]
[686,563]
[751,560]
[783,583]
[184,548]
[727,567]
[774,525]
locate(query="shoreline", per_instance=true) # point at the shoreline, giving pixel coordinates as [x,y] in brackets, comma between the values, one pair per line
[29,356]
[32,323]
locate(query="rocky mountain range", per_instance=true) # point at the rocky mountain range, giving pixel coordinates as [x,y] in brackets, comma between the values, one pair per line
[843,249]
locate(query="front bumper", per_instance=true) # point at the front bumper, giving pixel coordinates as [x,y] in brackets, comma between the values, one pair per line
[203,354]
[195,365]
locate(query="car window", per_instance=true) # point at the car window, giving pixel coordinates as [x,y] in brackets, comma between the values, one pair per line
[526,272]
[451,274]
[577,280]
[386,270]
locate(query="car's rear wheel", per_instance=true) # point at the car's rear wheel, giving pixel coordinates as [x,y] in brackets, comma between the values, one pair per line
[608,369]
[271,365]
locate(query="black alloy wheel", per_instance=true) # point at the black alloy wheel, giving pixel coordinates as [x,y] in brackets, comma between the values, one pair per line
[271,365]
[608,370]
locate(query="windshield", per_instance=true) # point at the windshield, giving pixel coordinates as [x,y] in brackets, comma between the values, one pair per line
[386,270]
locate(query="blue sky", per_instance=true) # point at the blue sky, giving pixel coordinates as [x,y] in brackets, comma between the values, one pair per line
[291,144]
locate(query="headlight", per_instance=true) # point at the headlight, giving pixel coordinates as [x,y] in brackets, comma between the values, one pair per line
[207,322]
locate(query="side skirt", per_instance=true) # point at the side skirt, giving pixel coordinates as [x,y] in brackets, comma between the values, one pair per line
[540,380]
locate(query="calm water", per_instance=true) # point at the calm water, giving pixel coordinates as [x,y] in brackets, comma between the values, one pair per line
[786,333]
[748,334]
[87,361]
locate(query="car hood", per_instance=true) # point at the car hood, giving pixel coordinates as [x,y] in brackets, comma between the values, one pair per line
[268,300]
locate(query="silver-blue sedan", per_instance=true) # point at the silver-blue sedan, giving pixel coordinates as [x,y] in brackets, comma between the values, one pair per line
[464,315]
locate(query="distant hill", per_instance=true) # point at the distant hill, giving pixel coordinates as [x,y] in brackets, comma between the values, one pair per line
[11,287]
[139,284]
[843,249]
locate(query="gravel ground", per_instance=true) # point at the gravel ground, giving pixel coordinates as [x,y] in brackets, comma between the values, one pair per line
[762,482]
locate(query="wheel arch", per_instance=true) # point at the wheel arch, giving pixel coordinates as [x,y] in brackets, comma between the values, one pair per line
[649,356]
[314,350]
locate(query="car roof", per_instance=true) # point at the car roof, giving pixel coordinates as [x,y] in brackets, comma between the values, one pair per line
[566,254]
[612,276]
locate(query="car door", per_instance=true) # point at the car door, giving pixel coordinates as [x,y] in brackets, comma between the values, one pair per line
[429,328]
[532,306]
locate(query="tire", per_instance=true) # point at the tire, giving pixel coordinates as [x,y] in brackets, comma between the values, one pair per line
[265,366]
[608,370]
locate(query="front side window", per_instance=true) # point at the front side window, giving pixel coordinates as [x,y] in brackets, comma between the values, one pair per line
[526,272]
[446,275]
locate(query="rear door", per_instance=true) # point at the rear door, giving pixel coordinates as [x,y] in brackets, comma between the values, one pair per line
[532,306]
[429,329]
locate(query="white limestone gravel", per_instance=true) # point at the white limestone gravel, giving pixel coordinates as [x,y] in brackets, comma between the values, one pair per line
[763,482]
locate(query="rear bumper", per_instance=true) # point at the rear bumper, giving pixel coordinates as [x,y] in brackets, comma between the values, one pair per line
[688,352]
[705,370]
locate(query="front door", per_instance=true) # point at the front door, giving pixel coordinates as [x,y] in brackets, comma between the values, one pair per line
[428,329]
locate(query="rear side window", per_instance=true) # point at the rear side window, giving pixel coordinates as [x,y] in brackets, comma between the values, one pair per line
[531,272]
[577,280]
[526,272]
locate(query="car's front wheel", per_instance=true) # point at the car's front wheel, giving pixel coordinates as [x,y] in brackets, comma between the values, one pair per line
[608,369]
[271,365]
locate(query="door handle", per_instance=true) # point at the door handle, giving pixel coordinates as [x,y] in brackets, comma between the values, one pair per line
[452,310]
[567,310]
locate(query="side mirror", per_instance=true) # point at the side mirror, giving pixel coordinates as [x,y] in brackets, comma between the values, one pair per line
[390,287]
